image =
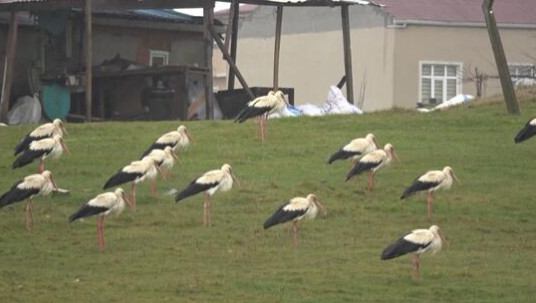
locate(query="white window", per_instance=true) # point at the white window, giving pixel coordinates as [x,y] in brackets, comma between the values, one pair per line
[521,71]
[158,58]
[440,81]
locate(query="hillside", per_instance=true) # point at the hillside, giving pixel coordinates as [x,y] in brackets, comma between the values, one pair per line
[163,254]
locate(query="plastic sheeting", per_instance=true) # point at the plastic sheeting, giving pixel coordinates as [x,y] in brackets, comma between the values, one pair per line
[27,110]
[336,103]
[459,99]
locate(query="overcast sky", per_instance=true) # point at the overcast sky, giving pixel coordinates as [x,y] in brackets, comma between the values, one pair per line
[199,11]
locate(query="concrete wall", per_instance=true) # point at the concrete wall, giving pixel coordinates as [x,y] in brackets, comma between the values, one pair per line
[312,57]
[470,46]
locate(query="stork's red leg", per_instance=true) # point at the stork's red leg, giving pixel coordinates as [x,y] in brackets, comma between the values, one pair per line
[99,234]
[102,233]
[29,216]
[295,236]
[154,192]
[371,181]
[41,167]
[205,210]
[133,196]
[416,266]
[262,128]
[266,127]
[208,212]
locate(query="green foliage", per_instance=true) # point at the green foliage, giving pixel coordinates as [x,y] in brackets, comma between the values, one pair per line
[163,254]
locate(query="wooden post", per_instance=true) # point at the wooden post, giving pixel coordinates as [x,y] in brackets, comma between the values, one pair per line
[89,60]
[235,6]
[232,64]
[277,47]
[347,53]
[500,59]
[9,63]
[208,22]
[229,30]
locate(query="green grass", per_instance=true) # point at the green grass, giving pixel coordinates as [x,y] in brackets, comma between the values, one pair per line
[163,254]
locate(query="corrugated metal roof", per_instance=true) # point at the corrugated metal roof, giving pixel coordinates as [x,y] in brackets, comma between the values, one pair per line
[162,15]
[469,11]
[309,2]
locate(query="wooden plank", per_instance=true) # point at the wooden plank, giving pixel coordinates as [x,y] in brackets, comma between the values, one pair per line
[89,59]
[208,23]
[500,59]
[229,30]
[347,53]
[11,51]
[277,46]
[232,65]
[234,43]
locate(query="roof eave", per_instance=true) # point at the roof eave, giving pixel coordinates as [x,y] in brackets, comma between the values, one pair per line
[405,22]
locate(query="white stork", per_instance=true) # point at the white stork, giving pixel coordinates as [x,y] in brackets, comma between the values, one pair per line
[431,181]
[372,162]
[47,130]
[30,187]
[210,183]
[136,172]
[416,242]
[356,149]
[262,107]
[527,131]
[165,159]
[44,148]
[178,139]
[110,203]
[295,210]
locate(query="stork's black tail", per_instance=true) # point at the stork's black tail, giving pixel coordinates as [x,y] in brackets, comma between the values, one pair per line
[120,178]
[527,132]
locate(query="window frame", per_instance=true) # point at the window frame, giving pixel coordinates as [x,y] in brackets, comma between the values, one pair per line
[516,77]
[458,78]
[159,54]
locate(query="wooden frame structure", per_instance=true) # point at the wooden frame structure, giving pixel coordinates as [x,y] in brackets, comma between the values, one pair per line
[209,34]
[500,59]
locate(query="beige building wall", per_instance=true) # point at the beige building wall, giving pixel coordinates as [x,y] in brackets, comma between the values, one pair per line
[467,45]
[312,62]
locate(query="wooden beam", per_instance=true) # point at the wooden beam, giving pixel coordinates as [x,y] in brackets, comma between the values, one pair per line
[277,47]
[229,30]
[500,59]
[9,63]
[89,59]
[347,53]
[208,24]
[232,64]
[234,43]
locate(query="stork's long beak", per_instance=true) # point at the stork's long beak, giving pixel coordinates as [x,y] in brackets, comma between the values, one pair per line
[442,237]
[174,155]
[235,179]
[324,212]
[456,178]
[189,136]
[64,131]
[65,147]
[395,155]
[128,202]
[54,183]
[377,144]
[158,169]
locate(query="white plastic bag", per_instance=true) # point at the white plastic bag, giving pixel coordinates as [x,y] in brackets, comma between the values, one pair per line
[27,110]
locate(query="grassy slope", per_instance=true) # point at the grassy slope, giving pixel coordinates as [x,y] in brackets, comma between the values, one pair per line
[163,254]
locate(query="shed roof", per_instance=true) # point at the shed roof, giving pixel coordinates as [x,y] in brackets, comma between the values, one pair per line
[460,11]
